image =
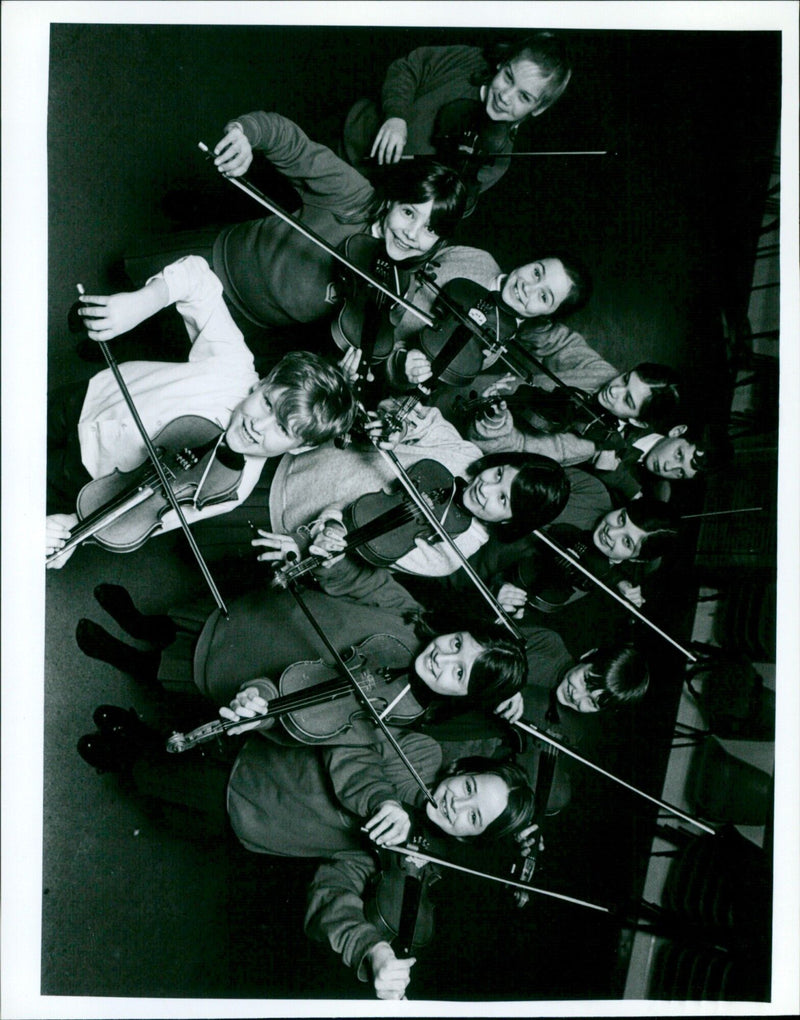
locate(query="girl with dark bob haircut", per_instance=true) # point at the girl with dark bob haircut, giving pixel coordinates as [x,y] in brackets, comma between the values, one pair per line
[539,491]
[418,183]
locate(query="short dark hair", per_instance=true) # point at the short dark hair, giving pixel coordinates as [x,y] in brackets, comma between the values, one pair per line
[658,521]
[518,813]
[417,182]
[713,449]
[539,492]
[618,676]
[664,401]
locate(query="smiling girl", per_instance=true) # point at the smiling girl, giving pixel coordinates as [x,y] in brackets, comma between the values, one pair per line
[272,274]
[507,495]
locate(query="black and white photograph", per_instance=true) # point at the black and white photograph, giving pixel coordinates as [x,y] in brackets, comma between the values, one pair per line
[400,560]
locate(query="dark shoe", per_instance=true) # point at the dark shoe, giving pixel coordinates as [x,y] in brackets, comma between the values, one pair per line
[97,643]
[111,719]
[117,602]
[108,752]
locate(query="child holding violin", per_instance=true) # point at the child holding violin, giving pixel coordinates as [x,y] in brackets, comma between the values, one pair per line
[453,100]
[340,803]
[91,432]
[623,544]
[523,303]
[649,464]
[456,660]
[275,276]
[505,495]
[574,427]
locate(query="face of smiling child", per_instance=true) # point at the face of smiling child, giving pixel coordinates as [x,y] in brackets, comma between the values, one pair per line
[617,537]
[625,395]
[515,91]
[488,495]
[575,691]
[445,663]
[406,230]
[468,804]
[254,429]
[538,288]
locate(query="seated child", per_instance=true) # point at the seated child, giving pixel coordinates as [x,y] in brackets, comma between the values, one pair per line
[507,495]
[275,276]
[572,432]
[424,92]
[623,543]
[303,402]
[534,295]
[648,464]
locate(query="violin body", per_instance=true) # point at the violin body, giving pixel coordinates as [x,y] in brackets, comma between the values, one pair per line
[186,446]
[372,662]
[436,485]
[400,906]
[382,527]
[363,321]
[316,704]
[466,139]
[561,410]
[456,351]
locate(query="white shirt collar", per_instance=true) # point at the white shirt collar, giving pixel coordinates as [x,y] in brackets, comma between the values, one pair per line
[646,443]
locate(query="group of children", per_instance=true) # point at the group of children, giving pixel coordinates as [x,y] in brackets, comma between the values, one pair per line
[590,459]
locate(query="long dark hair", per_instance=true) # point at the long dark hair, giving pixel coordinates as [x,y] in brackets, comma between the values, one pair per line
[518,813]
[660,524]
[497,673]
[539,492]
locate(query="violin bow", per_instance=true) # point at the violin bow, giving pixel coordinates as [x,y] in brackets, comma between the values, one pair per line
[261,198]
[574,561]
[434,522]
[505,155]
[159,470]
[374,715]
[424,856]
[534,731]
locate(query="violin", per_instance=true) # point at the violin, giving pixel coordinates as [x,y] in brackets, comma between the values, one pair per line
[553,411]
[544,783]
[465,138]
[471,324]
[316,704]
[400,906]
[121,510]
[363,320]
[384,527]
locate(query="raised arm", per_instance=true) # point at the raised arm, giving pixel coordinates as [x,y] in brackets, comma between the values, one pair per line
[318,174]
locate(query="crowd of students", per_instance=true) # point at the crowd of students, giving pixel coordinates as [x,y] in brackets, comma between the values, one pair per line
[575,447]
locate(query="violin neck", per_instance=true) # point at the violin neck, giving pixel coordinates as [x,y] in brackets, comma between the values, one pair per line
[328,690]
